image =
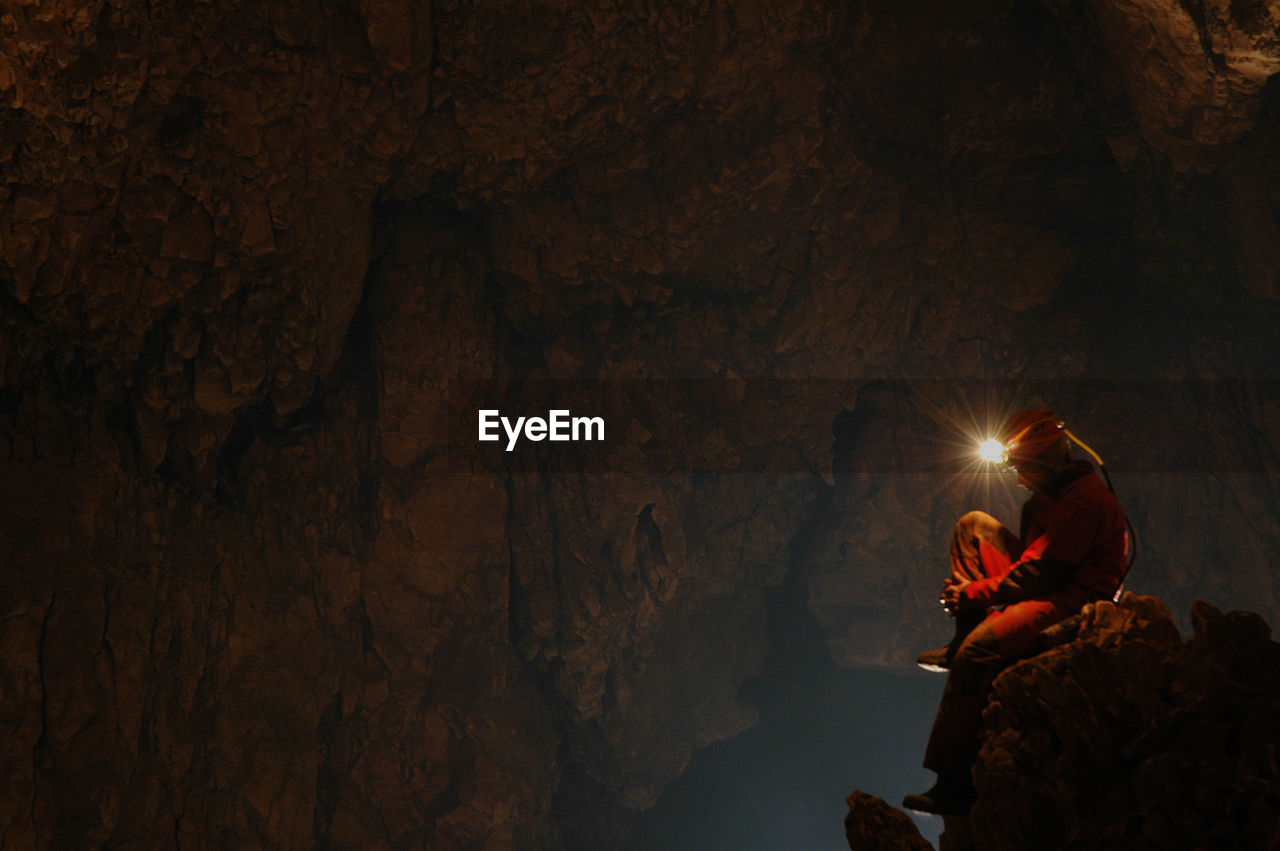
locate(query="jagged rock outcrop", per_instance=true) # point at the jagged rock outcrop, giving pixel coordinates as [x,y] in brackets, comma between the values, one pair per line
[1131,737]
[1126,737]
[257,258]
[873,825]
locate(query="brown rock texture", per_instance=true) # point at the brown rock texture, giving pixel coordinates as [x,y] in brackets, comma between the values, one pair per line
[1131,737]
[1194,73]
[261,263]
[873,824]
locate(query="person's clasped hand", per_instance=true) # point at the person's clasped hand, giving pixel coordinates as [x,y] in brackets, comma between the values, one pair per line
[953,594]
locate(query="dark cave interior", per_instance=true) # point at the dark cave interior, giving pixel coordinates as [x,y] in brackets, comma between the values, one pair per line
[262,267]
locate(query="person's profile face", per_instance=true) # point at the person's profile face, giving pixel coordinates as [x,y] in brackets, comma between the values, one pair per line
[1032,475]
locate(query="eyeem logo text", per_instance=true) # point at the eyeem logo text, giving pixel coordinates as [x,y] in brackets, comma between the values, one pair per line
[558,426]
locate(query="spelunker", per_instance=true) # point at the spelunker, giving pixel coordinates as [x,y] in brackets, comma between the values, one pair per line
[1005,589]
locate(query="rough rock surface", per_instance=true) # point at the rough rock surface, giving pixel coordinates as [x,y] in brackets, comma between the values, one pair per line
[1131,737]
[1194,73]
[256,260]
[873,825]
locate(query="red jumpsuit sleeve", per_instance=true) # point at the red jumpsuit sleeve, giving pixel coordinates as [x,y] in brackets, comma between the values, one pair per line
[1050,559]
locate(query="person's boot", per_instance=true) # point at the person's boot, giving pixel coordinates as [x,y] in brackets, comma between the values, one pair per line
[951,795]
[940,660]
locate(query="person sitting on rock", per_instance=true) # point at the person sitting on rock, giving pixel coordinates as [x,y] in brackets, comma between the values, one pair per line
[1005,589]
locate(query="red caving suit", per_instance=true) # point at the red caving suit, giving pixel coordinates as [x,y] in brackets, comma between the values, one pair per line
[1075,551]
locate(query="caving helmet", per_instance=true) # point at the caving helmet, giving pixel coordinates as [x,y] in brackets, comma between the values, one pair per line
[1027,434]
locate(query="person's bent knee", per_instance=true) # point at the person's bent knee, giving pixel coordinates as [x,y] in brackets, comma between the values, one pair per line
[975,520]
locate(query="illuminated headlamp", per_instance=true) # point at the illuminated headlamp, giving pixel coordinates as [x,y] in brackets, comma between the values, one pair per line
[993,451]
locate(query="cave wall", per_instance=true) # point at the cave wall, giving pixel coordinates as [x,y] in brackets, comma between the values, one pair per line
[259,261]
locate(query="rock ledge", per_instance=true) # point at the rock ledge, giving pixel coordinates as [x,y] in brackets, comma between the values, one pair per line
[1127,737]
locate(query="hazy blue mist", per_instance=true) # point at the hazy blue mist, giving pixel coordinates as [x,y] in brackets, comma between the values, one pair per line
[823,732]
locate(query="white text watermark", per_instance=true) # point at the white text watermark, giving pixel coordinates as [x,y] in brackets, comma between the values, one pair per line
[557,426]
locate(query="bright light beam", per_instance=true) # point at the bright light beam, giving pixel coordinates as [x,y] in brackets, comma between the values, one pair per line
[991,450]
